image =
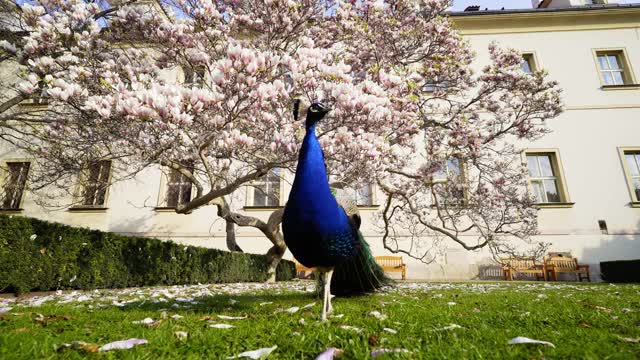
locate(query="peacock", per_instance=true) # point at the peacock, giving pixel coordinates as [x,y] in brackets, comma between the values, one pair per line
[318,231]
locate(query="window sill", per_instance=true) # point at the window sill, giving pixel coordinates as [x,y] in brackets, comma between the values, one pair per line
[164,209]
[621,87]
[11,211]
[81,209]
[368,207]
[558,205]
[635,204]
[262,208]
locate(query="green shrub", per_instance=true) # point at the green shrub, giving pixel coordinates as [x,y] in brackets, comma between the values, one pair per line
[65,257]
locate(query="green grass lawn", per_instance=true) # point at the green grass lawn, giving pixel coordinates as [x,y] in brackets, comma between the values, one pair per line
[582,321]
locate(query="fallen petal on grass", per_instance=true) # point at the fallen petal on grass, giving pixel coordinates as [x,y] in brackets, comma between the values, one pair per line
[221,326]
[5,309]
[330,354]
[266,303]
[123,344]
[225,317]
[308,305]
[147,322]
[255,354]
[389,330]
[601,308]
[292,310]
[630,340]
[449,327]
[181,335]
[584,324]
[176,316]
[351,328]
[526,340]
[377,315]
[376,353]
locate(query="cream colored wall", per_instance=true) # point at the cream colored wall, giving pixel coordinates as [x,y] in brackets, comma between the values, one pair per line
[594,124]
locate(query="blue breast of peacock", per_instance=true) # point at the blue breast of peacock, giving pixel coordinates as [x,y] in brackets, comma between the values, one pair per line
[316,229]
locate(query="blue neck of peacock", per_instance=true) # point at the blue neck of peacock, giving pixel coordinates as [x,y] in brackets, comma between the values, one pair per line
[311,172]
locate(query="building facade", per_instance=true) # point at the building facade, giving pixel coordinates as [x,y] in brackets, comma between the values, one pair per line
[585,174]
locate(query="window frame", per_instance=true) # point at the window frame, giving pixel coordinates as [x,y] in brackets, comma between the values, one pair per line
[374,199]
[251,189]
[534,63]
[558,169]
[622,151]
[200,71]
[79,205]
[462,165]
[165,177]
[4,175]
[628,75]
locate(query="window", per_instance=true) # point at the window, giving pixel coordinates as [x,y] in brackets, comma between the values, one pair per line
[613,67]
[446,192]
[178,188]
[595,2]
[632,164]
[433,85]
[14,185]
[361,196]
[265,192]
[95,184]
[194,76]
[545,177]
[528,64]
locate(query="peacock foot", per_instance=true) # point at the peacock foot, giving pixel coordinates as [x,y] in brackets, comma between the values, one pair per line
[330,307]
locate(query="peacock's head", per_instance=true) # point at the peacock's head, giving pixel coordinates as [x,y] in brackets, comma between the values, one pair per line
[316,112]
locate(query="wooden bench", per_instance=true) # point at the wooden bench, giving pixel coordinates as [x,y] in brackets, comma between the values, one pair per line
[392,264]
[522,265]
[556,265]
[301,269]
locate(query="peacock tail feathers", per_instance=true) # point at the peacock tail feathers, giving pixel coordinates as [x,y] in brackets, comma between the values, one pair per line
[358,275]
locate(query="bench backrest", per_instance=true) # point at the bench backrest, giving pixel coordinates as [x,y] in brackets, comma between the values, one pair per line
[519,263]
[562,262]
[389,260]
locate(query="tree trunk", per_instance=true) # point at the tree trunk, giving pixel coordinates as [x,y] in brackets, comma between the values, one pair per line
[274,255]
[271,229]
[232,245]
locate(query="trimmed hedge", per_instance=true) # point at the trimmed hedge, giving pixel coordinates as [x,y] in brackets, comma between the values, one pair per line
[40,255]
[621,271]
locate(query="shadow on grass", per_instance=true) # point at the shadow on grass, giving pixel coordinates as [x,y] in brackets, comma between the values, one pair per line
[220,303]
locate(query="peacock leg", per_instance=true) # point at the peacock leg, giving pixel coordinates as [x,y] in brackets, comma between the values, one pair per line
[329,296]
[325,301]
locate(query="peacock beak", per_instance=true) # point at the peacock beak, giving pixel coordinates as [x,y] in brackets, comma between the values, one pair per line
[320,107]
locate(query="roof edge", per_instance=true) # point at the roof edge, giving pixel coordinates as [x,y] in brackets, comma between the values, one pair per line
[607,7]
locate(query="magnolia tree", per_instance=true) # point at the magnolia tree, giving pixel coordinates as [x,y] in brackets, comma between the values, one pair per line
[16,119]
[206,89]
